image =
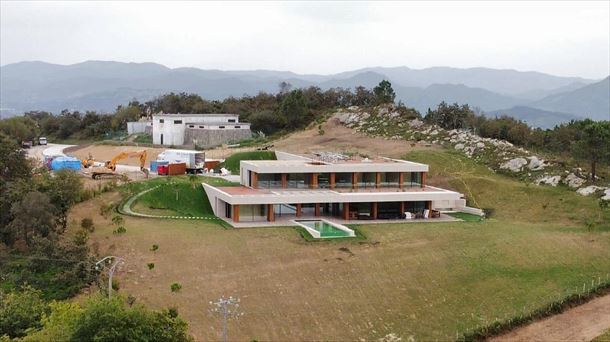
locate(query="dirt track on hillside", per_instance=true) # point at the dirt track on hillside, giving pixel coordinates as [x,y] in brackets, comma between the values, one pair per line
[581,323]
[338,138]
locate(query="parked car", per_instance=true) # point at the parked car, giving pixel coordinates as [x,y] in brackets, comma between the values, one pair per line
[42,141]
[26,144]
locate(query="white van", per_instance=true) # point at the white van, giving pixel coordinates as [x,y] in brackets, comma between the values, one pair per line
[42,141]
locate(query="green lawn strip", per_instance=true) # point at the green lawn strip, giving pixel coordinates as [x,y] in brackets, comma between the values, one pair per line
[179,196]
[307,236]
[232,163]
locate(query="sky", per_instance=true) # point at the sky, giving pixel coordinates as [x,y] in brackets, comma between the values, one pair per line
[560,38]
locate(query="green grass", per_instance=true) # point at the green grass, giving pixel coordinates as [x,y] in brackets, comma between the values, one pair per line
[232,163]
[355,239]
[425,281]
[509,199]
[181,196]
[605,337]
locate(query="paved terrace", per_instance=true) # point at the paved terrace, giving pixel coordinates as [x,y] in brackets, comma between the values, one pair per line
[287,221]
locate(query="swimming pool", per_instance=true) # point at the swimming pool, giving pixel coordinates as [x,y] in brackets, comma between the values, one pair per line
[323,229]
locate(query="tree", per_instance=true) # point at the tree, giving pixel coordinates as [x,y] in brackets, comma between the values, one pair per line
[384,93]
[33,215]
[21,310]
[19,128]
[102,320]
[450,117]
[593,143]
[265,121]
[294,109]
[64,189]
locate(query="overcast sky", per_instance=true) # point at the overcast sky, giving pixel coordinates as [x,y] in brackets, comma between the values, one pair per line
[561,38]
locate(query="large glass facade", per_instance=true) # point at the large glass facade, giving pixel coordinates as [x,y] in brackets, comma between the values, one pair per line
[366,180]
[269,181]
[390,179]
[412,179]
[343,180]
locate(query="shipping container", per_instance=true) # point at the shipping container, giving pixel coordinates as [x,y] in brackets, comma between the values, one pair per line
[63,163]
[194,160]
[176,169]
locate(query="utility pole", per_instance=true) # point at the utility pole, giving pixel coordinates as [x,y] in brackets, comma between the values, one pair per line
[228,308]
[113,262]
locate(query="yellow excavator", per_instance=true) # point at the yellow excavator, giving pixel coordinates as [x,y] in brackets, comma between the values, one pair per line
[109,168]
[89,162]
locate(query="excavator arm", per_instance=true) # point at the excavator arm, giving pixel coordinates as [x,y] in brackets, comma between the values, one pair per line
[111,164]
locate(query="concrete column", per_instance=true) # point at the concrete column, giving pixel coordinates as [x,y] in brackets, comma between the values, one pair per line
[235,212]
[270,213]
[354,180]
[377,179]
[345,211]
[401,180]
[429,205]
[299,211]
[332,180]
[402,207]
[317,209]
[284,180]
[423,179]
[374,210]
[314,181]
[254,183]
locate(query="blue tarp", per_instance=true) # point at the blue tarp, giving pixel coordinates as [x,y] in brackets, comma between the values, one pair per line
[70,163]
[155,163]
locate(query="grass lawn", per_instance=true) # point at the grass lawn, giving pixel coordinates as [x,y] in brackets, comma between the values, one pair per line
[232,163]
[426,281]
[182,196]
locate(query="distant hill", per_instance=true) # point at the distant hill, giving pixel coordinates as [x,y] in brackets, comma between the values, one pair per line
[101,86]
[534,117]
[592,101]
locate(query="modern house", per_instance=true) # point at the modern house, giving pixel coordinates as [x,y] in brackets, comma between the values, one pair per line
[330,185]
[204,130]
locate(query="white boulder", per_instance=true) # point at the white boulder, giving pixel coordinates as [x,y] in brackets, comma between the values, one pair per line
[591,189]
[606,195]
[535,164]
[549,180]
[573,181]
[480,145]
[515,164]
[459,146]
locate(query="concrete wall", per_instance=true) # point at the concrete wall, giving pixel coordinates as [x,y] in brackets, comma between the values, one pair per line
[139,127]
[214,137]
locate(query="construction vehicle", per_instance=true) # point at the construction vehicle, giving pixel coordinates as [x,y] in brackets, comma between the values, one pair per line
[89,162]
[109,168]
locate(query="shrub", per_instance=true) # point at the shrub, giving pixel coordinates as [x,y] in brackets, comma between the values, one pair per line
[120,230]
[106,208]
[175,287]
[87,224]
[150,265]
[117,220]
[101,319]
[154,248]
[21,310]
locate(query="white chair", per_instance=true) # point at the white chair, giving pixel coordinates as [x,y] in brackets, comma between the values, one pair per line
[426,213]
[408,215]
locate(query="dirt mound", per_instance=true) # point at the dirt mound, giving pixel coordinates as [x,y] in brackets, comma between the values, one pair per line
[338,138]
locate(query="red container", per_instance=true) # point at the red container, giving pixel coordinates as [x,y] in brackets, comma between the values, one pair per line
[162,170]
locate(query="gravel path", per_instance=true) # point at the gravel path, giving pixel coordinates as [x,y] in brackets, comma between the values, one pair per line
[582,323]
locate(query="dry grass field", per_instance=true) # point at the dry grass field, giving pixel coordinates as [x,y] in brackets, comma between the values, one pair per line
[423,281]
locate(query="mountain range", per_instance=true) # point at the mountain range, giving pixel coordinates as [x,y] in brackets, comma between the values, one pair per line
[540,99]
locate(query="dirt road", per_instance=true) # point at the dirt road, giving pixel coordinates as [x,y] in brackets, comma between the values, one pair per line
[581,323]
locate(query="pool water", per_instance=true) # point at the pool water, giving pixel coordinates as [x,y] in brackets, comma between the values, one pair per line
[325,229]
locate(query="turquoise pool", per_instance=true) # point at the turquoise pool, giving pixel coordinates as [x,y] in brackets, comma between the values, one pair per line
[325,229]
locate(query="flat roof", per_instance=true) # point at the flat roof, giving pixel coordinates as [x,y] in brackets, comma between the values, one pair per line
[220,123]
[330,162]
[197,114]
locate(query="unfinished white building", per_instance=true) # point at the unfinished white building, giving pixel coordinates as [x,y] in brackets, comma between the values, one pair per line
[204,130]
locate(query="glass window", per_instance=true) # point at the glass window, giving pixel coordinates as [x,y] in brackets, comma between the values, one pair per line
[269,180]
[161,121]
[343,180]
[177,122]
